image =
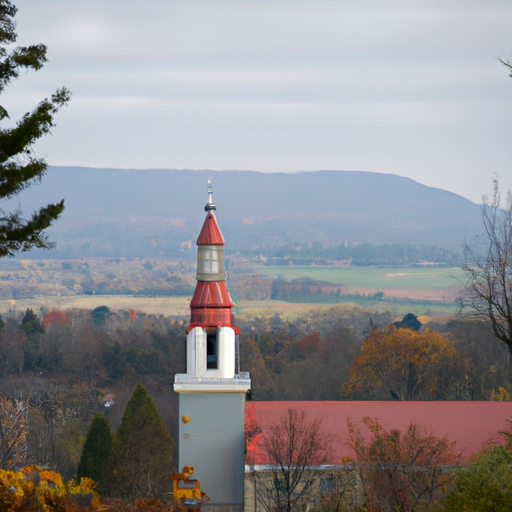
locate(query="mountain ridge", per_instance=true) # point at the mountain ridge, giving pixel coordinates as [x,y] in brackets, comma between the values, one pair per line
[152,212]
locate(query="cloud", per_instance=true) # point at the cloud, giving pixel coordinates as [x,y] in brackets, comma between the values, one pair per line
[400,86]
[180,30]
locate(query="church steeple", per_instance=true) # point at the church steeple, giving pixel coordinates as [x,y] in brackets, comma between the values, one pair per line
[212,392]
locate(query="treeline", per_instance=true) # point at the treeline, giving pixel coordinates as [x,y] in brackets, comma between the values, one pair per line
[95,276]
[61,371]
[63,366]
[303,289]
[317,355]
[356,254]
[306,289]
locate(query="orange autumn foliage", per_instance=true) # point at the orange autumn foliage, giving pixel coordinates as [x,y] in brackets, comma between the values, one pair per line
[55,317]
[406,364]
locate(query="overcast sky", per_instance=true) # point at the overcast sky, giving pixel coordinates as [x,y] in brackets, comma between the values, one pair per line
[409,87]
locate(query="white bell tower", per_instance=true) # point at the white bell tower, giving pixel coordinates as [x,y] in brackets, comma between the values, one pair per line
[212,392]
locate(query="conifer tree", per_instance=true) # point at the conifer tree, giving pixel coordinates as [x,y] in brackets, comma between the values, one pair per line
[19,168]
[143,456]
[97,450]
[30,323]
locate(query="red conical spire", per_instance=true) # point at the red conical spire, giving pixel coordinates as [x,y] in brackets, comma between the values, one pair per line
[210,232]
[211,304]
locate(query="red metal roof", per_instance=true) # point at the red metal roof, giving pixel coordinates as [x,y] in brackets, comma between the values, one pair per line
[211,294]
[210,232]
[470,424]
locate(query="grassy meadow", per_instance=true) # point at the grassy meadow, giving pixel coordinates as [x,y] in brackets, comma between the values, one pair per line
[406,289]
[424,282]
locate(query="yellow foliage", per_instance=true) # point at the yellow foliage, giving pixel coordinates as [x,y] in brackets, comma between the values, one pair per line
[35,489]
[409,364]
[501,396]
[50,477]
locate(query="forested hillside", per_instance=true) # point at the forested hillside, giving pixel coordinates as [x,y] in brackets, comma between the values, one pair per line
[61,367]
[133,213]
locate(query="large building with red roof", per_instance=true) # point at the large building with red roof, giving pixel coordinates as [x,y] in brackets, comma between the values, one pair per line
[470,424]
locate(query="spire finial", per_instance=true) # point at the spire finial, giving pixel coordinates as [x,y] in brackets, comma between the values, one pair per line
[210,206]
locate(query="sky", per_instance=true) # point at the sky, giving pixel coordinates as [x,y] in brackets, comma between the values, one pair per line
[408,87]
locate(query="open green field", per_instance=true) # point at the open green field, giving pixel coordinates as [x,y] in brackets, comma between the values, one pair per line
[418,290]
[404,281]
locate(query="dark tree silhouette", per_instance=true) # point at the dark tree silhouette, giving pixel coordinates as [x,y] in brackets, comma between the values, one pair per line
[19,168]
[143,456]
[30,323]
[97,449]
[409,321]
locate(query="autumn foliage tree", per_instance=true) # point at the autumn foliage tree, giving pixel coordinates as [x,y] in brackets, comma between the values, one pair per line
[406,364]
[401,471]
[36,489]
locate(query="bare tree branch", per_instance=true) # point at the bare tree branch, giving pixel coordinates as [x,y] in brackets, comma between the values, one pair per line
[295,446]
[488,274]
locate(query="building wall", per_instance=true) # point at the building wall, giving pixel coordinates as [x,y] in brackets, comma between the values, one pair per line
[338,486]
[213,443]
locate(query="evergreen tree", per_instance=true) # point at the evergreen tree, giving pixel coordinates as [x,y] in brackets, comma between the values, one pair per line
[143,456]
[99,314]
[97,449]
[19,168]
[30,323]
[409,321]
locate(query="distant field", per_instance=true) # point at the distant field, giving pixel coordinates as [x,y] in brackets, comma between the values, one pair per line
[291,310]
[406,289]
[167,306]
[180,306]
[411,282]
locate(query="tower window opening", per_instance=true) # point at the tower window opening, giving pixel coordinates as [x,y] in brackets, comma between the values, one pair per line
[210,259]
[212,356]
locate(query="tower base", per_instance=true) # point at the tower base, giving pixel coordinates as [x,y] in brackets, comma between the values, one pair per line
[212,441]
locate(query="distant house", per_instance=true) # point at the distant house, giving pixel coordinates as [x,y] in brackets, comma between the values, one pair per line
[108,401]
